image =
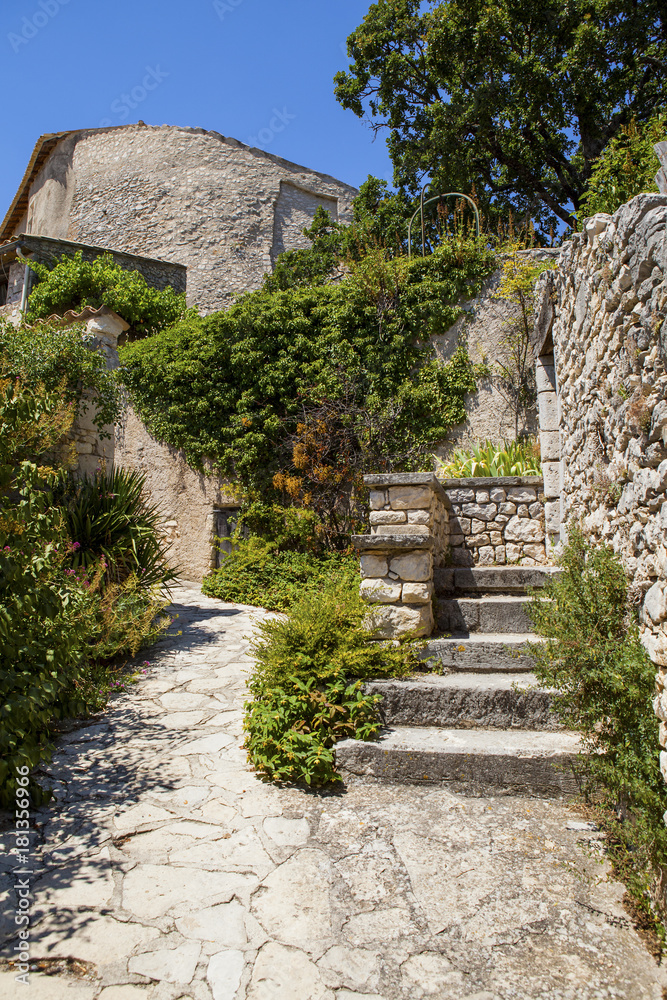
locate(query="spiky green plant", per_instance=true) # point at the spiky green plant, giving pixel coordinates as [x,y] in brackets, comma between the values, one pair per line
[487,459]
[108,517]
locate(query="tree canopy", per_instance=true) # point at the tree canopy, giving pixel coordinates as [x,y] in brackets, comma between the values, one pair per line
[515,97]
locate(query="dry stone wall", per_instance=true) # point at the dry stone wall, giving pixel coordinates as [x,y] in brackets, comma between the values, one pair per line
[602,312]
[496,521]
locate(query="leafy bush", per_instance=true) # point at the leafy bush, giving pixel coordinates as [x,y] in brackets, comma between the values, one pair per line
[230,386]
[625,168]
[606,683]
[306,686]
[109,518]
[62,362]
[256,572]
[74,283]
[511,458]
[62,629]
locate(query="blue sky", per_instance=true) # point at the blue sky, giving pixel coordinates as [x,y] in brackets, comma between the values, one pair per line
[258,70]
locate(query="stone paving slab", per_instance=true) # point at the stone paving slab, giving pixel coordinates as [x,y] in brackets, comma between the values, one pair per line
[176,874]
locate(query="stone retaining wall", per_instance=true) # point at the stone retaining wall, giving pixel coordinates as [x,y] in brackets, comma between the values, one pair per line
[602,312]
[496,521]
[408,538]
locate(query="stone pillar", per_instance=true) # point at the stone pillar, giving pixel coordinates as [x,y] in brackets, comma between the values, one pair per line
[547,401]
[95,447]
[409,537]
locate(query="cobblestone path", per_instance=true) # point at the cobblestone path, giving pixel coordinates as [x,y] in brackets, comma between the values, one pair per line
[169,871]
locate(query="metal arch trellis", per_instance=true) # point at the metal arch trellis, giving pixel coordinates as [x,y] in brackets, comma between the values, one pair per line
[422,206]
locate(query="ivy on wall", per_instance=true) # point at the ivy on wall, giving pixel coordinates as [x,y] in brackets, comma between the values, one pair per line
[228,387]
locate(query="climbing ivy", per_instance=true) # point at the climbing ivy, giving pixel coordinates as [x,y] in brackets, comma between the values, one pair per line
[73,283]
[229,387]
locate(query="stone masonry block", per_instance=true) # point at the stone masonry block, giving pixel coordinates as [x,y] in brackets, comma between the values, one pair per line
[521,494]
[507,509]
[485,512]
[513,552]
[418,517]
[486,555]
[545,374]
[550,445]
[378,499]
[551,473]
[461,496]
[413,566]
[383,591]
[392,622]
[417,593]
[374,566]
[552,516]
[523,529]
[474,541]
[497,495]
[397,529]
[410,498]
[547,403]
[388,517]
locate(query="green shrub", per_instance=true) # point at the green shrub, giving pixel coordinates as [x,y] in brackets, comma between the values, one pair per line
[625,168]
[62,628]
[231,386]
[606,683]
[511,458]
[61,361]
[108,517]
[43,626]
[307,683]
[73,283]
[291,733]
[256,572]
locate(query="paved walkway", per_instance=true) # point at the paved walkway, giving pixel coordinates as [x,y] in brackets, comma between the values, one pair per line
[168,871]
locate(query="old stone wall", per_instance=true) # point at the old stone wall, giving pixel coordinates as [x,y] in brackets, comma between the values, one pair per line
[602,313]
[158,273]
[484,328]
[184,195]
[189,501]
[496,521]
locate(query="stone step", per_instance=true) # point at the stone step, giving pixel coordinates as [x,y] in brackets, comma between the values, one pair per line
[494,613]
[491,579]
[468,761]
[481,652]
[467,701]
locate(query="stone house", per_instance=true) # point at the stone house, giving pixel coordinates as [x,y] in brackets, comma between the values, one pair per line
[207,214]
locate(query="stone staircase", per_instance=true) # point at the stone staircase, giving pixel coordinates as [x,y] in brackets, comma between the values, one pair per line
[482,724]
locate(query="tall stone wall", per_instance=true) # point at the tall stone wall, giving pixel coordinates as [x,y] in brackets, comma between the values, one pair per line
[183,195]
[602,314]
[483,328]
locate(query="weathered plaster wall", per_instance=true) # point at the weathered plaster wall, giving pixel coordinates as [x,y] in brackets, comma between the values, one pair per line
[483,328]
[604,310]
[187,499]
[184,195]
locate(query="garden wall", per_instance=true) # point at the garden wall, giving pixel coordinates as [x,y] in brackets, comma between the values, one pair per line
[496,521]
[602,314]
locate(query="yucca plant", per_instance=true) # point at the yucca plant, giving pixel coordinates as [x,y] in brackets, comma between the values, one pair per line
[487,459]
[108,517]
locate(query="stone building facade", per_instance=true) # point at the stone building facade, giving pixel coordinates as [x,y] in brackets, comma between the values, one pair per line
[184,195]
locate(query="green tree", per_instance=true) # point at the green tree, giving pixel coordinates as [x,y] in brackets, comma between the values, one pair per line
[517,97]
[627,167]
